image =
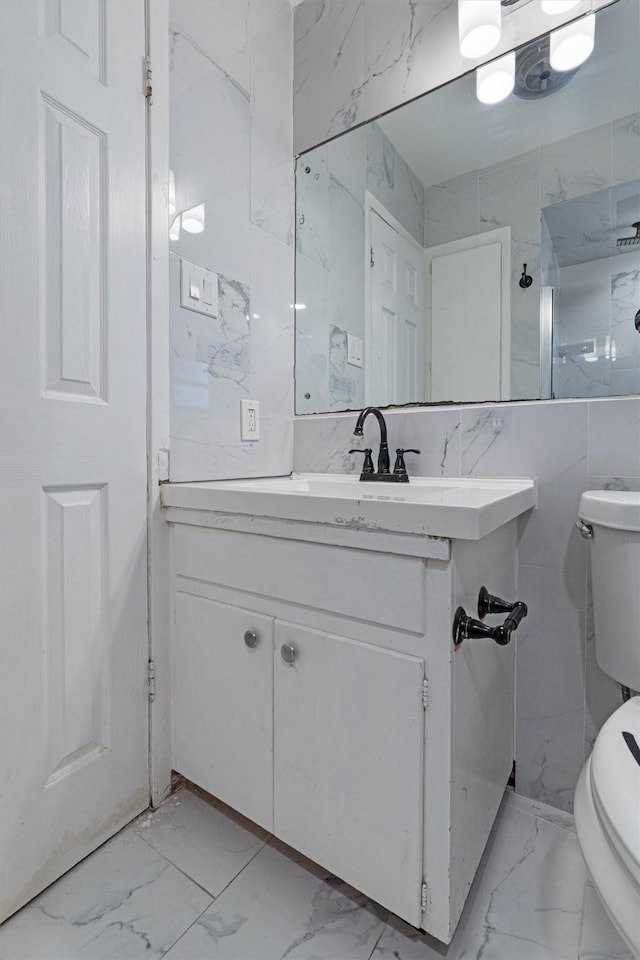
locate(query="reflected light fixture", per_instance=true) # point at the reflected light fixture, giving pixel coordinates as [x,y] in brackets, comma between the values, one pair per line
[174,229]
[193,219]
[555,7]
[479,27]
[496,80]
[572,45]
[172,193]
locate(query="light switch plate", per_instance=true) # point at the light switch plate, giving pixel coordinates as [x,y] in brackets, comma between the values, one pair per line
[354,350]
[198,289]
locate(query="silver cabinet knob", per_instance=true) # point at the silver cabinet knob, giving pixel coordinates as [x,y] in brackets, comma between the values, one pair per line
[288,652]
[251,639]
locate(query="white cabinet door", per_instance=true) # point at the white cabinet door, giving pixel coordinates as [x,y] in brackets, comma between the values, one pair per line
[348,762]
[73,474]
[222,704]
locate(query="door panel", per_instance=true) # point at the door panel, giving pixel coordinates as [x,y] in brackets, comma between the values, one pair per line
[222,704]
[73,657]
[348,749]
[469,343]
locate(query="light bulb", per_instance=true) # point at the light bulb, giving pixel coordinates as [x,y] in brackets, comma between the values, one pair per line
[572,45]
[496,80]
[193,219]
[174,229]
[479,27]
[555,7]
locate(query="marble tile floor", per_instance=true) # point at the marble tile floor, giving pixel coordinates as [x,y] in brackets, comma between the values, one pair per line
[193,881]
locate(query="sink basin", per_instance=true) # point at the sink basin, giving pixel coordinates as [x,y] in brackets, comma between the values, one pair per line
[467,507]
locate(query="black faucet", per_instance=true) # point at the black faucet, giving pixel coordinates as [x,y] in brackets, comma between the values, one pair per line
[399,474]
[383,454]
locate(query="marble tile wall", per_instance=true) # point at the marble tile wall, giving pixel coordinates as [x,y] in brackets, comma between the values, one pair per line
[514,192]
[230,149]
[330,267]
[352,61]
[562,696]
[597,302]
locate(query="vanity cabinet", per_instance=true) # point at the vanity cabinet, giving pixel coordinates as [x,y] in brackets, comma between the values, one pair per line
[351,728]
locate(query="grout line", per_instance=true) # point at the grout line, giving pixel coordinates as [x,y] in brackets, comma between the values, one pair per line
[184,932]
[214,896]
[382,932]
[179,869]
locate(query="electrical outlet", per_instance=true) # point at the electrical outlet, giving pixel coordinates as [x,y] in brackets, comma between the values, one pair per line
[249,420]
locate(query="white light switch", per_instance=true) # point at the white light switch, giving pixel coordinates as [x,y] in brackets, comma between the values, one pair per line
[198,289]
[354,350]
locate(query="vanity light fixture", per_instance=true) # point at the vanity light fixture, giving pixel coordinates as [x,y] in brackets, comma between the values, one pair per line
[174,229]
[496,80]
[193,219]
[572,45]
[555,7]
[479,27]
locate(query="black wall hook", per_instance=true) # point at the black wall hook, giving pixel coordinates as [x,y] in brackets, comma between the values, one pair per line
[525,279]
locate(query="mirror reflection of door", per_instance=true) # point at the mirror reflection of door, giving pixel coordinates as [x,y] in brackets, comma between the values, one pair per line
[396,316]
[469,341]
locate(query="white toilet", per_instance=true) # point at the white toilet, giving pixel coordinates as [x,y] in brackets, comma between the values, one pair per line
[607,799]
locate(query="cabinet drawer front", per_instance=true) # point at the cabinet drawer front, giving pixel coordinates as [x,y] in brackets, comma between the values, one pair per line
[377,587]
[222,704]
[348,748]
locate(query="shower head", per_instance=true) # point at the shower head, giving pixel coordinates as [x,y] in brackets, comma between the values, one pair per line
[630,241]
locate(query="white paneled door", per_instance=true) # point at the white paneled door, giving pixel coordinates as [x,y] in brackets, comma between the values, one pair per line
[73,636]
[395,327]
[469,344]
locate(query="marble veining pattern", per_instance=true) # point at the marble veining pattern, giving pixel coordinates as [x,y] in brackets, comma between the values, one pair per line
[330,267]
[230,83]
[147,893]
[353,62]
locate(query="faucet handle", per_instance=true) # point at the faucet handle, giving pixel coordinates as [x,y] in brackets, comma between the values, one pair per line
[400,466]
[367,466]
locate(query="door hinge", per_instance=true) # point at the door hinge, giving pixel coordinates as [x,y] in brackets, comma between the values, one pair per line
[425,693]
[151,676]
[372,259]
[147,83]
[424,897]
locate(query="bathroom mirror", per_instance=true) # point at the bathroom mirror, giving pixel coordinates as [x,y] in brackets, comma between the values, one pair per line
[452,251]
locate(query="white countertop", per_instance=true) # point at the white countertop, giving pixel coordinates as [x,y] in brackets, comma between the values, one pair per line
[465,508]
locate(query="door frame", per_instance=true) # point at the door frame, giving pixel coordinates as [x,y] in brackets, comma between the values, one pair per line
[158,395]
[372,204]
[501,235]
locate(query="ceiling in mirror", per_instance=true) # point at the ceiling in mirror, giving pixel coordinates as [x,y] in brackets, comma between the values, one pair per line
[414,233]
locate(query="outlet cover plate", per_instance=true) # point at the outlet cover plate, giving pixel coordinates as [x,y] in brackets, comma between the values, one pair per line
[249,420]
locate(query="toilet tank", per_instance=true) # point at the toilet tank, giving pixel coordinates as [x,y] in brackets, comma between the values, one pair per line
[615,580]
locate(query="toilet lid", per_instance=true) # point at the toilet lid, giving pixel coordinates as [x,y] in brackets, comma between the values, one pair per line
[615,779]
